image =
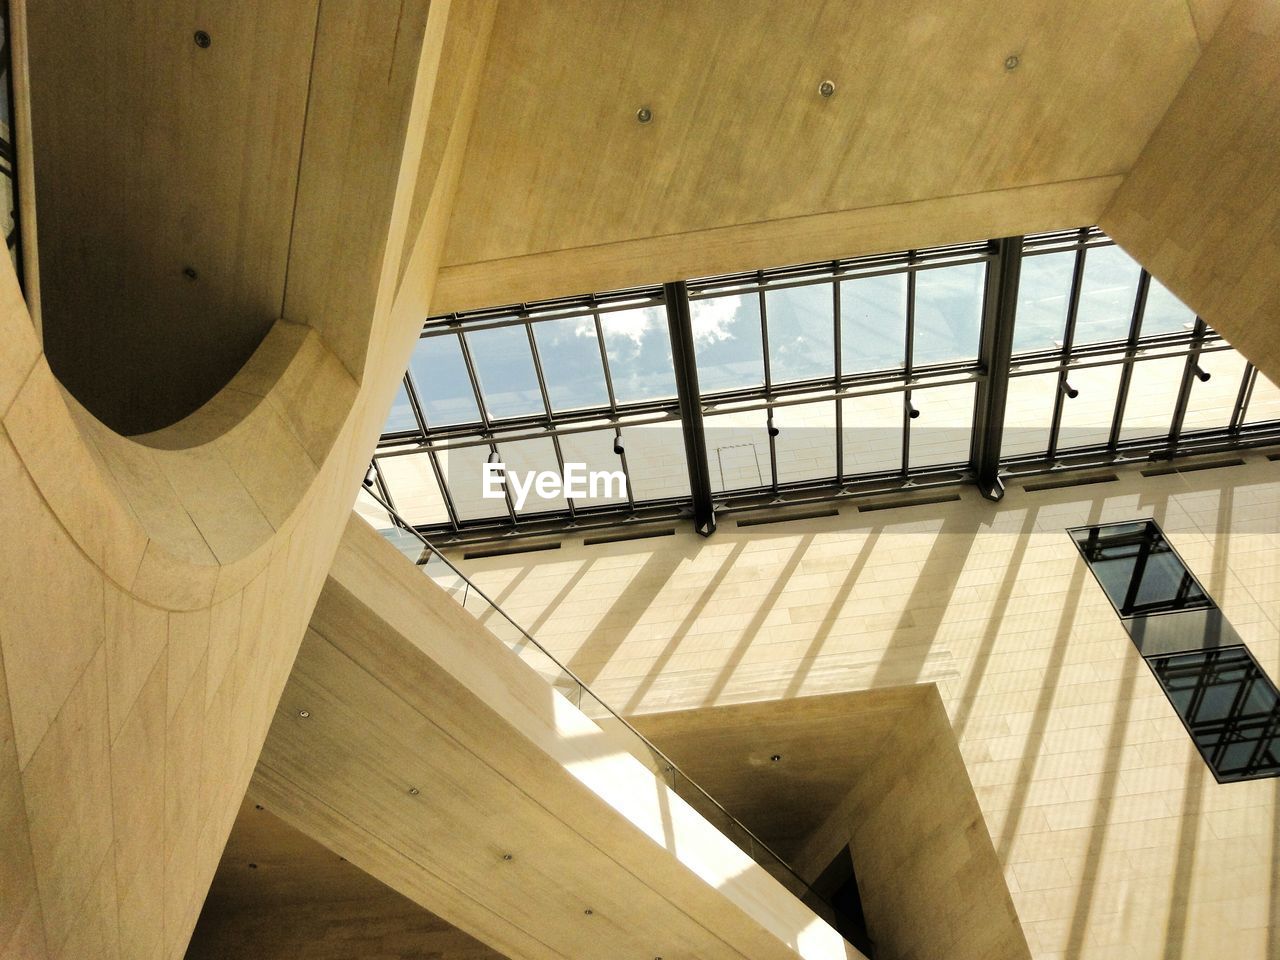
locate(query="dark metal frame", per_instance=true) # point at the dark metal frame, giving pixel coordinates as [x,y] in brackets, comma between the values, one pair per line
[990,371]
[8,148]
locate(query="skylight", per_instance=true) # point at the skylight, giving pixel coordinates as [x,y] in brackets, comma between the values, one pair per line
[823,380]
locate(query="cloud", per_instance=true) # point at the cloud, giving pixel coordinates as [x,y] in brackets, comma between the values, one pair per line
[712,318]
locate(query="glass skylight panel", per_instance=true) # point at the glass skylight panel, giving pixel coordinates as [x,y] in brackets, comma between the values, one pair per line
[727,342]
[1138,569]
[801,324]
[738,450]
[1044,293]
[504,367]
[1153,393]
[463,471]
[412,484]
[1164,313]
[639,349]
[595,451]
[1107,295]
[1028,414]
[440,378]
[1264,401]
[873,323]
[401,417]
[529,460]
[1086,418]
[656,461]
[943,432]
[872,433]
[806,441]
[948,314]
[1210,403]
[569,351]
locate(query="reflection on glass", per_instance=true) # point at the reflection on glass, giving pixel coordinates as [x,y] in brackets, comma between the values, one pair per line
[1044,291]
[401,417]
[1264,402]
[1086,419]
[463,470]
[1107,295]
[639,349]
[1138,569]
[948,317]
[656,459]
[504,367]
[570,354]
[594,449]
[801,333]
[726,340]
[413,487]
[530,459]
[1210,403]
[1028,414]
[1230,707]
[806,441]
[1153,393]
[440,377]
[738,450]
[943,432]
[872,431]
[873,323]
[1165,313]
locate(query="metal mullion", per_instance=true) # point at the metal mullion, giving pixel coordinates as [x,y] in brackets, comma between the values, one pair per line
[680,327]
[484,418]
[1130,352]
[999,308]
[1243,398]
[626,469]
[1186,386]
[604,360]
[839,375]
[415,404]
[1068,341]
[908,365]
[768,384]
[546,405]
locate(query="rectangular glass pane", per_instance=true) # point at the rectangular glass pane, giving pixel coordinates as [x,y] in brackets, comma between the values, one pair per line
[1153,393]
[1028,414]
[943,432]
[414,489]
[1165,313]
[1086,419]
[738,450]
[1230,707]
[872,429]
[948,317]
[1210,404]
[1107,295]
[1264,402]
[801,323]
[656,461]
[440,377]
[594,450]
[464,474]
[400,418]
[638,346]
[504,367]
[806,441]
[873,323]
[532,467]
[1138,570]
[1044,291]
[727,341]
[570,354]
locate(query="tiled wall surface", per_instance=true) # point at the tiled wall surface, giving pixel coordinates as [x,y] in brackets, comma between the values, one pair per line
[1117,843]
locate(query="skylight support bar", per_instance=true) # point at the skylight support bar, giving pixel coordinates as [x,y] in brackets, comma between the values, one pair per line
[1130,353]
[1068,337]
[415,404]
[546,405]
[839,373]
[908,362]
[1242,398]
[469,363]
[680,324]
[1000,307]
[1184,388]
[768,382]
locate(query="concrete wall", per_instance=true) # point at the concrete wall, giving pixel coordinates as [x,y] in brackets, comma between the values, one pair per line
[1115,840]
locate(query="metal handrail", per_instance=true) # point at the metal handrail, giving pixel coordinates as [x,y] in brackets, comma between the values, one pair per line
[808,893]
